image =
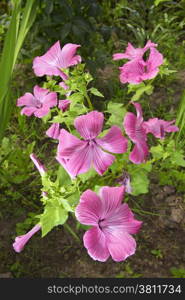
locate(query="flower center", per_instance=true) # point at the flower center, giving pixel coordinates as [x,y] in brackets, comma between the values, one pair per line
[38,104]
[100,223]
[91,142]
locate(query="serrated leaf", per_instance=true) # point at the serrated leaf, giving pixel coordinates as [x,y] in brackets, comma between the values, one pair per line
[52,216]
[148,89]
[95,92]
[66,205]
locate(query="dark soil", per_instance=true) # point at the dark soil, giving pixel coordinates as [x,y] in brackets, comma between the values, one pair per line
[59,255]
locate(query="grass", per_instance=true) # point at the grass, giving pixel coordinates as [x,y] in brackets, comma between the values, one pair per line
[20,24]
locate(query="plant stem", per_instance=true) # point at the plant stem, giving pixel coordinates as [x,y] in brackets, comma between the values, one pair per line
[68,228]
[89,101]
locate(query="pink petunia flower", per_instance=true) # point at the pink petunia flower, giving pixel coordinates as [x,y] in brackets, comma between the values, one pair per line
[158,127]
[41,168]
[56,59]
[39,103]
[134,129]
[80,155]
[113,223]
[137,69]
[21,241]
[54,131]
[64,104]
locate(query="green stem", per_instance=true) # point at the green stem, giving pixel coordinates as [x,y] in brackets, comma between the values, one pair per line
[68,228]
[89,101]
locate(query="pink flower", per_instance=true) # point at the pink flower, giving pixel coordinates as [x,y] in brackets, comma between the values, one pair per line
[113,223]
[137,69]
[158,127]
[125,181]
[64,104]
[39,103]
[134,53]
[54,131]
[20,241]
[80,155]
[134,129]
[37,163]
[56,59]
[137,130]
[65,87]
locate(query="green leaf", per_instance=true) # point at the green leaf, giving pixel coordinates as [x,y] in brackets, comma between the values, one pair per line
[117,111]
[86,176]
[66,205]
[52,216]
[95,92]
[139,183]
[74,199]
[76,97]
[62,176]
[177,158]
[148,89]
[157,152]
[157,2]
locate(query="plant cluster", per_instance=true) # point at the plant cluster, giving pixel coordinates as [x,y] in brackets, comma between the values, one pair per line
[101,156]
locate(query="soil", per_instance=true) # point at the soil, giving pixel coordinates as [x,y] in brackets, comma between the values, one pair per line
[58,255]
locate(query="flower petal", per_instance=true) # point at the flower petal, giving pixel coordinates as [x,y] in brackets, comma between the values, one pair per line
[50,99]
[132,71]
[28,99]
[28,111]
[139,153]
[158,127]
[41,112]
[113,141]
[133,128]
[39,92]
[122,217]
[40,167]
[111,198]
[120,244]
[68,57]
[130,53]
[155,59]
[80,161]
[89,125]
[138,111]
[20,241]
[88,211]
[64,104]
[54,131]
[149,44]
[95,243]
[64,163]
[101,160]
[68,144]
